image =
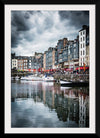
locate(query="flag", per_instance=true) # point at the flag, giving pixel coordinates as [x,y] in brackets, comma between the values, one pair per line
[84,67]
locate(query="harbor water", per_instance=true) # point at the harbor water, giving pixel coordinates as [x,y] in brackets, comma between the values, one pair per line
[38,104]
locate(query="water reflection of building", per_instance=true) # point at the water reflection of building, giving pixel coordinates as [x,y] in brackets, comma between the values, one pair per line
[70,105]
[61,107]
[37,94]
[83,111]
[66,108]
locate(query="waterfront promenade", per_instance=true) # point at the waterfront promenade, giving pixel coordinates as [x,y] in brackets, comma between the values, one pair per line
[59,76]
[72,77]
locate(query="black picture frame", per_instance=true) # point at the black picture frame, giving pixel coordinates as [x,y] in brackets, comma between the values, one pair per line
[97,3]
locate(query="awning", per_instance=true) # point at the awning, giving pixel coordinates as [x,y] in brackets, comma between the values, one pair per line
[49,70]
[31,70]
[68,69]
[46,70]
[80,68]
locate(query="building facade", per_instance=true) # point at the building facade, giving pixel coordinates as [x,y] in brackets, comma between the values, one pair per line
[14,64]
[75,56]
[37,61]
[84,46]
[29,62]
[61,46]
[50,61]
[44,61]
[53,58]
[25,63]
[67,54]
[20,64]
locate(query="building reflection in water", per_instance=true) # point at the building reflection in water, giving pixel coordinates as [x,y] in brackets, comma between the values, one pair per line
[83,110]
[70,104]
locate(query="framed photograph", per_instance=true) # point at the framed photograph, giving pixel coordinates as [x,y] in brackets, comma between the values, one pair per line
[50,68]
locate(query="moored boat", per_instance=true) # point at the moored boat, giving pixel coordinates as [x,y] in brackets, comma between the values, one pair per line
[24,78]
[31,78]
[73,83]
[48,78]
[17,78]
[34,79]
[65,82]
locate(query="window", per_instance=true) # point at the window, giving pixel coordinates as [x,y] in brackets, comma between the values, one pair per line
[84,32]
[81,45]
[74,50]
[86,52]
[81,39]
[81,33]
[83,52]
[74,45]
[83,60]
[69,51]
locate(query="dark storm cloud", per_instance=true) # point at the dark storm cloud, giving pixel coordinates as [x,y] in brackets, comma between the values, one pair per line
[14,40]
[76,18]
[19,24]
[33,12]
[20,20]
[41,29]
[29,13]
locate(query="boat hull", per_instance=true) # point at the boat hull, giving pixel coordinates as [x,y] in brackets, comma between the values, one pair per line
[32,79]
[75,84]
[49,80]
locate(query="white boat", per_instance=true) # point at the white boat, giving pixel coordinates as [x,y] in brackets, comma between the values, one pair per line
[48,78]
[65,82]
[34,79]
[16,78]
[23,78]
[65,88]
[31,78]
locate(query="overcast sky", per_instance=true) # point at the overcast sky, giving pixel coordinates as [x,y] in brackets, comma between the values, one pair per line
[36,31]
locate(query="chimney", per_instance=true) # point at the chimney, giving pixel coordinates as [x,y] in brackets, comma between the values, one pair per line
[84,26]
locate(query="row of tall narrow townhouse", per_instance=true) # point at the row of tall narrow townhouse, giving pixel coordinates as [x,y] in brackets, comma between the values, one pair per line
[64,55]
[68,54]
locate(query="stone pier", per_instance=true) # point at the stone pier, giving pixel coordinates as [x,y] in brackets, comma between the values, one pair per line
[72,77]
